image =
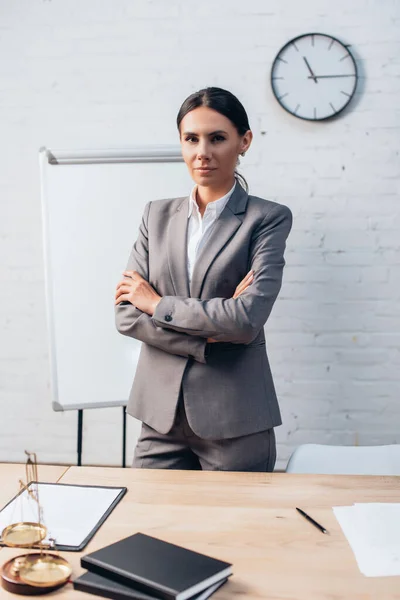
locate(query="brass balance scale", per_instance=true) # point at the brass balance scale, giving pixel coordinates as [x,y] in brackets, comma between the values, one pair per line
[37,572]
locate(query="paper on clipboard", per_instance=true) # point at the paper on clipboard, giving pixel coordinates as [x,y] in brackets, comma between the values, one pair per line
[71,513]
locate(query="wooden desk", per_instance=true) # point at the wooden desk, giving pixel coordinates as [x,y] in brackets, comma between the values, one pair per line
[247,519]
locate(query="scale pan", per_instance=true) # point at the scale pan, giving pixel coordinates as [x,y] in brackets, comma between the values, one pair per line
[23,535]
[45,570]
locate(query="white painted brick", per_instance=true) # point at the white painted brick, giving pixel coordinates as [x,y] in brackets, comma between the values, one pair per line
[298,340]
[354,257]
[100,74]
[323,436]
[375,274]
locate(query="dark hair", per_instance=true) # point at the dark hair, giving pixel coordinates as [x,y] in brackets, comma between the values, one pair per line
[226,104]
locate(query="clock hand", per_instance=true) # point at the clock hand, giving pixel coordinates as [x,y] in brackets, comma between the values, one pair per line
[328,76]
[309,68]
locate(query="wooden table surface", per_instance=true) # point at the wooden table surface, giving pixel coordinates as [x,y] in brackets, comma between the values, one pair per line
[248,519]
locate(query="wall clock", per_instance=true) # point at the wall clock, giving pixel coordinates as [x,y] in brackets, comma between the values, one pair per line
[314,76]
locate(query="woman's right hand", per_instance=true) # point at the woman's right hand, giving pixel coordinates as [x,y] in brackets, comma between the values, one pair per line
[243,285]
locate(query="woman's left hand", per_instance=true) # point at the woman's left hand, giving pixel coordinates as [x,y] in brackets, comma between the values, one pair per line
[138,292]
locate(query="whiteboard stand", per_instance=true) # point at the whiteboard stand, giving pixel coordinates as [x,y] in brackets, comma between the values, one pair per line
[80,436]
[92,206]
[124,436]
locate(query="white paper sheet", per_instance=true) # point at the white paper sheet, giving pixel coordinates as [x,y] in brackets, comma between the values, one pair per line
[373,532]
[69,512]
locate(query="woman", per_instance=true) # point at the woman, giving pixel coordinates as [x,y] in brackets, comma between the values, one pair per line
[200,283]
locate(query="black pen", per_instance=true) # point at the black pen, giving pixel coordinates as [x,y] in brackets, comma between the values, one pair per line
[306,516]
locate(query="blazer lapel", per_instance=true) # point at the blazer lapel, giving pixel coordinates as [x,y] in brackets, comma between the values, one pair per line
[177,249]
[225,227]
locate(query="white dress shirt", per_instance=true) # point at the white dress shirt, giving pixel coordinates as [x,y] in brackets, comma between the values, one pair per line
[200,228]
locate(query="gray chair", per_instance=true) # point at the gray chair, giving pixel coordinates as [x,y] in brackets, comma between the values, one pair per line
[345,460]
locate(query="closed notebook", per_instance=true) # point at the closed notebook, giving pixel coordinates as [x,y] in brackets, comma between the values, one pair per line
[102,586]
[156,567]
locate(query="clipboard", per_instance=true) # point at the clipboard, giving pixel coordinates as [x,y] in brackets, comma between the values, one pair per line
[72,513]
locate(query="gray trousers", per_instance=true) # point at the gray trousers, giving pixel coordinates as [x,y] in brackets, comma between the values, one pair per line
[181,448]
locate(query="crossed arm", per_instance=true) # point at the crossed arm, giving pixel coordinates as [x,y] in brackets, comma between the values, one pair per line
[135,323]
[182,325]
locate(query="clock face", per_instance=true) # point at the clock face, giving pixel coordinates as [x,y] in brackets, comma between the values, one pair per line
[314,76]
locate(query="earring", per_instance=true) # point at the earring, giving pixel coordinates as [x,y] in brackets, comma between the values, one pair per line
[243,153]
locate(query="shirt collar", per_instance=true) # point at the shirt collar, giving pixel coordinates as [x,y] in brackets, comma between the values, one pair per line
[216,207]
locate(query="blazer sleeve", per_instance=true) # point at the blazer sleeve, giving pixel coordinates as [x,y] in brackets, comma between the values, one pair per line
[237,320]
[134,323]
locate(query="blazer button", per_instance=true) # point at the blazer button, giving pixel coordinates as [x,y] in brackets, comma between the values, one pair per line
[168,318]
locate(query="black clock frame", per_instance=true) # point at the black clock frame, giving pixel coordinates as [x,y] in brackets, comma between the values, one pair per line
[293,40]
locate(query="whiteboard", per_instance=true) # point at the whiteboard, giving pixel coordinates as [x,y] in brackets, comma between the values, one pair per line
[92,205]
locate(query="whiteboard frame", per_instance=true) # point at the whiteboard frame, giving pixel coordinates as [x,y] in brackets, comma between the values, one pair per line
[47,156]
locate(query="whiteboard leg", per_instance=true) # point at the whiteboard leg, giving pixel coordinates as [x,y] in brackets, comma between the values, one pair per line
[124,436]
[80,434]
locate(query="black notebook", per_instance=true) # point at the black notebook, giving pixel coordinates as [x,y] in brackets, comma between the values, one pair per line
[102,586]
[157,567]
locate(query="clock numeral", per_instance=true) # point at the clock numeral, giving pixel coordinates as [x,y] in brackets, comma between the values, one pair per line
[343,57]
[345,93]
[315,113]
[283,96]
[296,109]
[274,77]
[332,107]
[331,44]
[312,40]
[282,59]
[295,46]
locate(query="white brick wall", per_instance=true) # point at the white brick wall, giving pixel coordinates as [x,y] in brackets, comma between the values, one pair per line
[113,73]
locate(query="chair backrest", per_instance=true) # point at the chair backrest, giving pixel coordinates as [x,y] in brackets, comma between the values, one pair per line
[345,460]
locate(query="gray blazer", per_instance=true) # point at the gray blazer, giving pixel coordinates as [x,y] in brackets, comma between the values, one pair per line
[228,387]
